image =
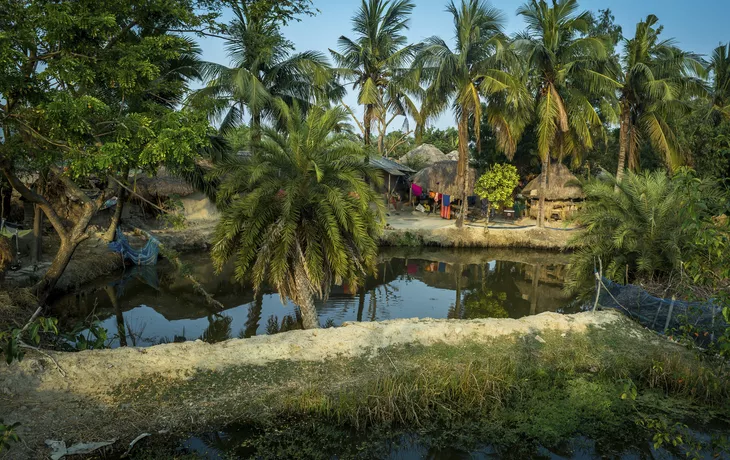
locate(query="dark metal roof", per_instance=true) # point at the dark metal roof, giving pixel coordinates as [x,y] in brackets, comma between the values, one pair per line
[390,166]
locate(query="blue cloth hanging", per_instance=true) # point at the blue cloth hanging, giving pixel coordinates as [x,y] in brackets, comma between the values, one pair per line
[446,200]
[145,256]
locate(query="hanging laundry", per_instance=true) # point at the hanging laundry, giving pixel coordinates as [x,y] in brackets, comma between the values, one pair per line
[442,267]
[412,269]
[446,200]
[417,189]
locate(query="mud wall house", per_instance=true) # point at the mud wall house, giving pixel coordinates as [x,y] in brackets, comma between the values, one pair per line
[563,196]
[395,175]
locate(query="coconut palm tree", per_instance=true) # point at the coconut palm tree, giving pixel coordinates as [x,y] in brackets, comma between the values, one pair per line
[654,75]
[720,91]
[299,214]
[475,68]
[566,71]
[264,70]
[377,58]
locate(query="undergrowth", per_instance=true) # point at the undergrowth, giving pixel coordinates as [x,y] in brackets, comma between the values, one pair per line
[514,393]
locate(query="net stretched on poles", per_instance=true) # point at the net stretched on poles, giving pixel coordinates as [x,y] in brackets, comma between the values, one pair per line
[665,316]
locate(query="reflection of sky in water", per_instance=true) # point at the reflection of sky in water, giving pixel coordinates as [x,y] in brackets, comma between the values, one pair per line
[158,305]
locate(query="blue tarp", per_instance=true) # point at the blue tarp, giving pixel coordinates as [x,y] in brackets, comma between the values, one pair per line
[145,256]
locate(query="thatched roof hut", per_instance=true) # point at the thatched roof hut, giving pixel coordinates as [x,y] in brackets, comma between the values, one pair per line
[426,153]
[562,185]
[441,178]
[562,196]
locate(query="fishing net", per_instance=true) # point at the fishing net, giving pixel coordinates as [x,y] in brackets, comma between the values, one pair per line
[145,256]
[666,316]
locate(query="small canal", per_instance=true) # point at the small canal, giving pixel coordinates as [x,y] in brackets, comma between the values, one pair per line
[144,306]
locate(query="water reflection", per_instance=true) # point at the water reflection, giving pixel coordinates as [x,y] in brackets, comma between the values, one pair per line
[148,305]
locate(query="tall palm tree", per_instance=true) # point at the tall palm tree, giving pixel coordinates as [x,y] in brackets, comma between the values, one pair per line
[373,60]
[476,67]
[565,65]
[720,91]
[297,214]
[264,70]
[654,75]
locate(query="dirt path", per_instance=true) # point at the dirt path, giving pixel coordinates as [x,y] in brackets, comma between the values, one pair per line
[87,403]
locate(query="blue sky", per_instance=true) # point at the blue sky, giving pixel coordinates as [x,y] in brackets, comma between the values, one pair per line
[698,26]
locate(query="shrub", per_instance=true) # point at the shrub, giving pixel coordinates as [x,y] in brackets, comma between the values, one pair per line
[497,185]
[649,227]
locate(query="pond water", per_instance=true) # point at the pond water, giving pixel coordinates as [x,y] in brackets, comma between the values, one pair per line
[143,306]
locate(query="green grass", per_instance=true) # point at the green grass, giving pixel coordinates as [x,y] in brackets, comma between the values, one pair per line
[513,391]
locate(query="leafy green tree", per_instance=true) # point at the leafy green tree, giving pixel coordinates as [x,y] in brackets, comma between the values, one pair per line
[497,185]
[446,140]
[375,62]
[650,225]
[298,214]
[565,65]
[86,93]
[478,66]
[264,70]
[719,66]
[654,76]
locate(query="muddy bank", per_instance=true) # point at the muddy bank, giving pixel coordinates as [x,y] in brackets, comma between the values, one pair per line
[189,387]
[478,237]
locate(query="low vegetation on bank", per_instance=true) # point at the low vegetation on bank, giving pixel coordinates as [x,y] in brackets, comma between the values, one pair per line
[619,385]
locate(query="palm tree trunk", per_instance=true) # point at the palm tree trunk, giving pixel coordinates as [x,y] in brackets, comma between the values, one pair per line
[543,190]
[367,123]
[305,300]
[623,142]
[255,129]
[418,133]
[462,166]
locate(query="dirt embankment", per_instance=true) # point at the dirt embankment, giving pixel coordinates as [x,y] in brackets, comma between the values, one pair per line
[529,238]
[87,395]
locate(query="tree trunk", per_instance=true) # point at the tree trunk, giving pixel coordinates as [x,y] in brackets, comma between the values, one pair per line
[45,286]
[623,142]
[37,245]
[117,216]
[305,300]
[489,210]
[361,304]
[543,191]
[462,166]
[418,134]
[121,328]
[367,123]
[255,129]
[535,288]
[254,315]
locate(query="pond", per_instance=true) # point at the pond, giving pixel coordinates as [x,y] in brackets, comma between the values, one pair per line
[143,306]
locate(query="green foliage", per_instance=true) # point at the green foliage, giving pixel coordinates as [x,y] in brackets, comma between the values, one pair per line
[485,304]
[446,140]
[265,69]
[375,63]
[12,341]
[497,185]
[173,216]
[8,435]
[300,202]
[656,225]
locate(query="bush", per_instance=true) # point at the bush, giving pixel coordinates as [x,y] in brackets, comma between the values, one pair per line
[497,185]
[650,227]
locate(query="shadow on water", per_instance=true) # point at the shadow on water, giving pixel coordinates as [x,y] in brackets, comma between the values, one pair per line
[144,306]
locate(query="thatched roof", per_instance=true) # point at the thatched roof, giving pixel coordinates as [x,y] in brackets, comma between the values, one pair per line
[163,185]
[562,185]
[453,155]
[426,153]
[441,178]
